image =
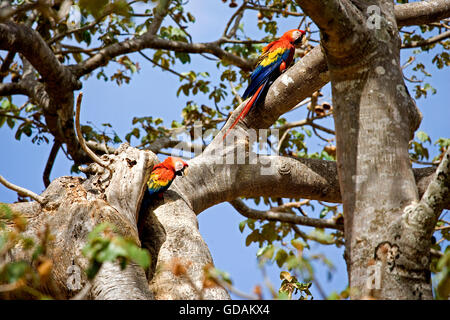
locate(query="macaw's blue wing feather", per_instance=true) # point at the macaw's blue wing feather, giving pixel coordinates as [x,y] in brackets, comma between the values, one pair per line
[157,184]
[262,74]
[155,187]
[268,69]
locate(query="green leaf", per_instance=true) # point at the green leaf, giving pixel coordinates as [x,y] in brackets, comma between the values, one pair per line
[266,252]
[10,122]
[423,137]
[183,57]
[13,271]
[281,257]
[6,104]
[138,255]
[242,225]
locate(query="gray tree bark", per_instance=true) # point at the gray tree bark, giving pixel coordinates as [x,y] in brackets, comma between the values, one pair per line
[374,116]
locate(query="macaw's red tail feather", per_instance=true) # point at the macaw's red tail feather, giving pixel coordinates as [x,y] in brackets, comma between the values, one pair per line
[246,109]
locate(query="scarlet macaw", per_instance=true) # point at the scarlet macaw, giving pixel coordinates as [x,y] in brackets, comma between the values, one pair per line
[276,57]
[161,178]
[163,175]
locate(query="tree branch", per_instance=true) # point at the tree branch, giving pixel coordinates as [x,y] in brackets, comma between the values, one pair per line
[22,191]
[424,215]
[160,13]
[331,16]
[209,179]
[7,11]
[12,88]
[421,12]
[243,209]
[50,162]
[81,140]
[149,41]
[20,38]
[429,41]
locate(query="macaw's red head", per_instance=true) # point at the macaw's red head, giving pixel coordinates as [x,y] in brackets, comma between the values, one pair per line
[294,36]
[176,164]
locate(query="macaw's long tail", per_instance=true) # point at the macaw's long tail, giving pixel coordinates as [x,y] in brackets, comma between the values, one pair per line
[253,101]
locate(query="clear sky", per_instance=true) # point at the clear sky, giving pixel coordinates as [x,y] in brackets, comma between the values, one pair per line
[153,92]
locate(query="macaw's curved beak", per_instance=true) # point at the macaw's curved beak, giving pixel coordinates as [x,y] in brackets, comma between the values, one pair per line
[299,40]
[182,172]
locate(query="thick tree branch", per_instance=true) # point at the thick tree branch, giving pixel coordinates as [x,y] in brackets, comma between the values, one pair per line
[149,41]
[331,16]
[28,42]
[421,12]
[8,89]
[210,181]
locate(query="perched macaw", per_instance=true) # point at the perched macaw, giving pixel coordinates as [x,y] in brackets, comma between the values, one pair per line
[276,57]
[161,178]
[163,174]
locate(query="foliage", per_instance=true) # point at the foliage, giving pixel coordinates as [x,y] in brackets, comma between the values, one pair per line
[442,290]
[22,277]
[290,285]
[27,277]
[104,245]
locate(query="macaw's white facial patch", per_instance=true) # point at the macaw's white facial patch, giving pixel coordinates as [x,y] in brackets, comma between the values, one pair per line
[179,166]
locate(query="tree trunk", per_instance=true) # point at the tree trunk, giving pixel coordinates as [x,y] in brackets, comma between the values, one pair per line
[375,118]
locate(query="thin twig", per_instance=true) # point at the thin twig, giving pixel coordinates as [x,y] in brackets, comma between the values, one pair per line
[86,149]
[235,14]
[235,93]
[283,137]
[22,191]
[271,215]
[428,41]
[50,162]
[319,288]
[300,233]
[163,67]
[236,291]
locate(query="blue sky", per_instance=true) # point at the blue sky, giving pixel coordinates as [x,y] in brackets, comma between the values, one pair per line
[152,92]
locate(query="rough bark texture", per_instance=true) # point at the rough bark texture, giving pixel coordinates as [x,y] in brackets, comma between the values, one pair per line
[74,206]
[170,229]
[183,244]
[375,118]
